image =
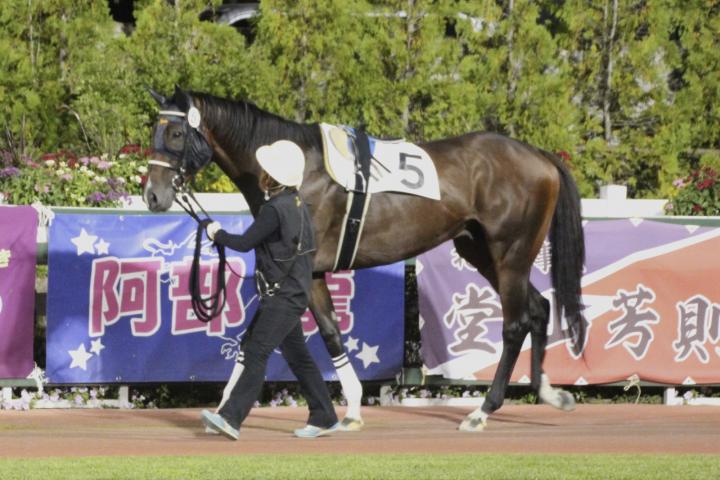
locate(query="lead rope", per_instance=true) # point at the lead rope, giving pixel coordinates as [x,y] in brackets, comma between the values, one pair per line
[209,307]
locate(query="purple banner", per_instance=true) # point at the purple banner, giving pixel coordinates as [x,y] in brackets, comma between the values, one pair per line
[18,233]
[651,302]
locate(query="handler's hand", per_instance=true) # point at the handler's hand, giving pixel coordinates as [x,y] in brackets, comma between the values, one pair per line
[212,229]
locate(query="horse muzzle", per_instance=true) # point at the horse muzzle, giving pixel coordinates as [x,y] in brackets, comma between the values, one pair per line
[158,199]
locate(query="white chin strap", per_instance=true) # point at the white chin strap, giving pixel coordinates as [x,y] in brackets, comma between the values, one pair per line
[160,163]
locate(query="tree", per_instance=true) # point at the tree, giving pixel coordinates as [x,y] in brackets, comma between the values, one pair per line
[414,66]
[30,86]
[622,59]
[523,75]
[303,59]
[696,82]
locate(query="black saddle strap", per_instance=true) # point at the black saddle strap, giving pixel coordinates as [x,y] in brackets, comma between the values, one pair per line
[358,201]
[350,234]
[362,157]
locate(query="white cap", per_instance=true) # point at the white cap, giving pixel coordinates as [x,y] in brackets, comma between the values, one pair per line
[284,161]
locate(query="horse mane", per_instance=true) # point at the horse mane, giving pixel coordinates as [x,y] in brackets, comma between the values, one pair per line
[246,127]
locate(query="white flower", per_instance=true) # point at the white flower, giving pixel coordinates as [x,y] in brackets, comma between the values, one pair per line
[50,163]
[136,179]
[142,169]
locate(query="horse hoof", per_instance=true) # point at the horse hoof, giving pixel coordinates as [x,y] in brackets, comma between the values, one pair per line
[351,425]
[567,401]
[472,425]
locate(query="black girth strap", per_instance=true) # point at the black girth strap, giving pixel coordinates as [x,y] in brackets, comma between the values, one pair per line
[357,204]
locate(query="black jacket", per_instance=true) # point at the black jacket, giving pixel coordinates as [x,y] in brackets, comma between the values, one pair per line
[282,224]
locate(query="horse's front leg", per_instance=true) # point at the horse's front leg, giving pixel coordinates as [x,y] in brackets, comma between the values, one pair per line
[322,308]
[516,323]
[540,382]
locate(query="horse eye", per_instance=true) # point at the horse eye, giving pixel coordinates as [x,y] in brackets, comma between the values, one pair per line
[176,134]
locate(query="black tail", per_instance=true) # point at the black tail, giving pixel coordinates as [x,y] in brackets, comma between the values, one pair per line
[568,254]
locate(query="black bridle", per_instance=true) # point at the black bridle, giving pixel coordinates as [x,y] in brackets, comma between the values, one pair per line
[195,154]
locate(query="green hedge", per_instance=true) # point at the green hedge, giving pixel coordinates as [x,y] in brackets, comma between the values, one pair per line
[630,95]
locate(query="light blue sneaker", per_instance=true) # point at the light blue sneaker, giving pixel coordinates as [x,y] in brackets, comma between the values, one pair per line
[311,431]
[217,423]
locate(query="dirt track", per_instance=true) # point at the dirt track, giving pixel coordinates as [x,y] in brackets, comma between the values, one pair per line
[521,429]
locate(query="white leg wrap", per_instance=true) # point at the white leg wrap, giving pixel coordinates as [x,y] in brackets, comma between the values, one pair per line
[476,421]
[556,397]
[351,386]
[234,377]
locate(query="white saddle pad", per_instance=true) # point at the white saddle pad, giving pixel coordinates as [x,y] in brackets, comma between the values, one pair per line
[395,166]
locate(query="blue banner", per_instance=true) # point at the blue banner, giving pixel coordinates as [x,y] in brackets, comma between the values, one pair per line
[119,309]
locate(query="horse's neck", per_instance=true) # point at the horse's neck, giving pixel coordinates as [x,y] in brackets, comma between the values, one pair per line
[236,153]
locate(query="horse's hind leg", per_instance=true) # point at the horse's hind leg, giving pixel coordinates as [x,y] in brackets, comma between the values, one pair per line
[513,290]
[540,316]
[322,308]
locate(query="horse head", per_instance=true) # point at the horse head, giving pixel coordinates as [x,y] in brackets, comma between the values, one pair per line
[180,149]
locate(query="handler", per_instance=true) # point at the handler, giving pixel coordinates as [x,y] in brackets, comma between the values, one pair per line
[284,244]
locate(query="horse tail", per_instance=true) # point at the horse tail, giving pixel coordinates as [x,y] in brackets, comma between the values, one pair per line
[568,254]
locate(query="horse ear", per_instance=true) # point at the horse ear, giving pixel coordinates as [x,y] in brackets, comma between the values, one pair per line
[182,98]
[161,100]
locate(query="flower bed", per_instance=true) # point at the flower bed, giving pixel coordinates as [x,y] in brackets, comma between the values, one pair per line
[66,179]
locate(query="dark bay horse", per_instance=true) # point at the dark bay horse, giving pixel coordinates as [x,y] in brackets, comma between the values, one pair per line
[500,198]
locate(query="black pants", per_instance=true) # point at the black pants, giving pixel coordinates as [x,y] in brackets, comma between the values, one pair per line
[278,324]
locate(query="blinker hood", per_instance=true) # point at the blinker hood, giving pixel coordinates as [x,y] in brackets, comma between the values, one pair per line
[196,152]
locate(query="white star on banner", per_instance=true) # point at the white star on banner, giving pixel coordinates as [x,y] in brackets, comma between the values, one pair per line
[79,357]
[97,346]
[351,344]
[102,247]
[84,242]
[368,355]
